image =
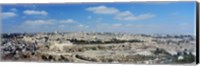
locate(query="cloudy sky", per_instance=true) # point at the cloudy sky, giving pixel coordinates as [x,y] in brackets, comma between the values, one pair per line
[143,17]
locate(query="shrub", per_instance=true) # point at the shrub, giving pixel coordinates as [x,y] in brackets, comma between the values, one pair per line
[186,59]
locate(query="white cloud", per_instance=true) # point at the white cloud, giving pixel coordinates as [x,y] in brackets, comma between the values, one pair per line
[38,22]
[36,26]
[127,16]
[61,26]
[81,26]
[13,9]
[67,21]
[50,22]
[123,15]
[99,19]
[51,25]
[89,17]
[8,15]
[146,16]
[87,26]
[126,13]
[34,12]
[102,10]
[128,25]
[134,25]
[117,25]
[119,15]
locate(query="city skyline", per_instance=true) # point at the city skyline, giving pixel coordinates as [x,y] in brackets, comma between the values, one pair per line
[141,17]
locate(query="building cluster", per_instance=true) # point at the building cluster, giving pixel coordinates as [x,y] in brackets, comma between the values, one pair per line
[180,47]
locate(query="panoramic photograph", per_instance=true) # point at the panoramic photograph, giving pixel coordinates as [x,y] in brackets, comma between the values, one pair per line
[116,33]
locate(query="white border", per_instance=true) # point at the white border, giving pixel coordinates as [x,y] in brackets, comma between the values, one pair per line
[76,64]
[73,64]
[75,1]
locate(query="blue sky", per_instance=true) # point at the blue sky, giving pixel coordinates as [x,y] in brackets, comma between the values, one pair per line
[140,17]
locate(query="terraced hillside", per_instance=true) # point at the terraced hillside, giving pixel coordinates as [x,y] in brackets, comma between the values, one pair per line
[99,48]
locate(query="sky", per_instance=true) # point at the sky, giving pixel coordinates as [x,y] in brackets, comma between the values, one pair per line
[132,17]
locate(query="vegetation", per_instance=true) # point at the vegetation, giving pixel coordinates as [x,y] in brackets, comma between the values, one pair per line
[114,40]
[186,59]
